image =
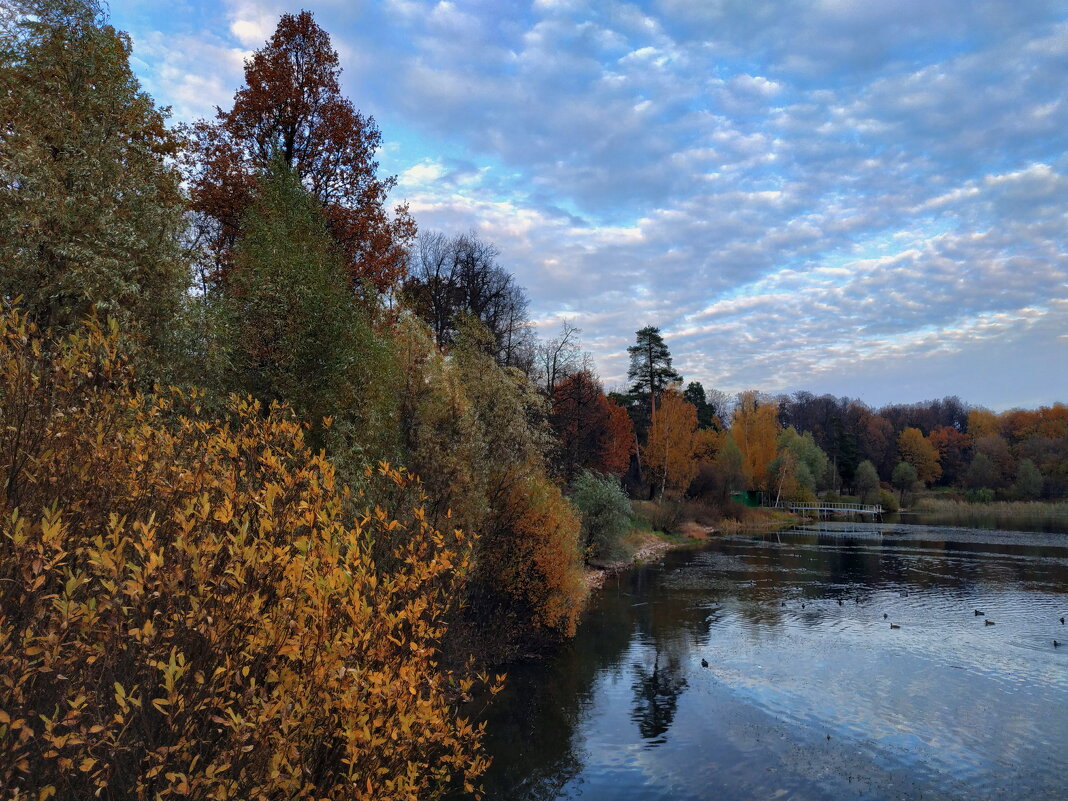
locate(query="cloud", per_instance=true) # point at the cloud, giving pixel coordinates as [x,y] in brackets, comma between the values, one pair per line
[798,195]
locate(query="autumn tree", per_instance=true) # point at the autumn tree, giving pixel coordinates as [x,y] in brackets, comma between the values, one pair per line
[754,429]
[90,208]
[591,432]
[954,450]
[291,108]
[917,451]
[650,366]
[668,454]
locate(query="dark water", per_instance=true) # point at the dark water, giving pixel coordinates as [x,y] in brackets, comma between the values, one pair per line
[815,701]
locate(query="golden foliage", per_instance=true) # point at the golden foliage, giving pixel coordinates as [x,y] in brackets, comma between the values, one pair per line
[755,428]
[184,611]
[919,452]
[536,557]
[669,453]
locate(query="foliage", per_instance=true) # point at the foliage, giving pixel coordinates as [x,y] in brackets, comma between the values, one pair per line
[1028,480]
[887,500]
[866,482]
[90,214]
[291,108]
[668,455]
[981,473]
[904,477]
[800,467]
[915,449]
[591,432]
[185,612]
[292,331]
[754,428]
[529,572]
[605,512]
[707,411]
[475,430]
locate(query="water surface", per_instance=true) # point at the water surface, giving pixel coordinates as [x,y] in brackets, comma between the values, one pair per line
[808,692]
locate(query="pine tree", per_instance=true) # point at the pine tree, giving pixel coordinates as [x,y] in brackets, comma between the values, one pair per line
[90,210]
[650,365]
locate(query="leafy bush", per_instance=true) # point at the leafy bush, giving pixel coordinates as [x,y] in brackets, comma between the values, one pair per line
[184,611]
[887,500]
[605,512]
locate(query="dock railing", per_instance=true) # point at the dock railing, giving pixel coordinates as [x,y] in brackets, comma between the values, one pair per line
[830,507]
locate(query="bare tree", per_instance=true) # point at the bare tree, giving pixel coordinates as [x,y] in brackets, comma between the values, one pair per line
[559,358]
[460,274]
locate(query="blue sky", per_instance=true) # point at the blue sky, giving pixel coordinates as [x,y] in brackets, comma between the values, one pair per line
[864,198]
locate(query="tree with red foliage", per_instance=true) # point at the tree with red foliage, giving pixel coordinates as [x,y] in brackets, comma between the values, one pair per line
[954,452]
[291,108]
[593,432]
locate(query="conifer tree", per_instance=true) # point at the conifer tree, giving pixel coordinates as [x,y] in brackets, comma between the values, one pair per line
[650,365]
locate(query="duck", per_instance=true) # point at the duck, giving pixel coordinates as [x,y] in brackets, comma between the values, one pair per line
[988,622]
[978,613]
[704,663]
[895,625]
[885,616]
[839,601]
[1062,621]
[1056,644]
[802,606]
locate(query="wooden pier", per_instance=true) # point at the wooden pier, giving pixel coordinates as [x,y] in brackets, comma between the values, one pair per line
[822,508]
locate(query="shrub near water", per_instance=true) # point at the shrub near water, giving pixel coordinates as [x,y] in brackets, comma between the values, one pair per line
[183,611]
[605,511]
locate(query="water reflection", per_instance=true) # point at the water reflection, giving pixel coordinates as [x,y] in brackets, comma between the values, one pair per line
[809,693]
[656,697]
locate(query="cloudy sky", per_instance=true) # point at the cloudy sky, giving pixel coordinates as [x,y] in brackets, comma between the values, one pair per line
[867,198]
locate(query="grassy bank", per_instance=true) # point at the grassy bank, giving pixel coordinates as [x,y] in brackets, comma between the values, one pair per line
[1001,514]
[657,528]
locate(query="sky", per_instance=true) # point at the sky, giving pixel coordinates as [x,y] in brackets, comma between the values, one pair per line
[861,198]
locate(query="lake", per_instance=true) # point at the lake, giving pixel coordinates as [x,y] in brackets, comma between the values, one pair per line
[809,692]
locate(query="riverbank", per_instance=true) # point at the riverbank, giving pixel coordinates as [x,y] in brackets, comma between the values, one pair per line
[646,545]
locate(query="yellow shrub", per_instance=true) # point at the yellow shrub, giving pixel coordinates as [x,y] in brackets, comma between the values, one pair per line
[184,611]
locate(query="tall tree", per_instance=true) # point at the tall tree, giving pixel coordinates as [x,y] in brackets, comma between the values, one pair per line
[650,365]
[755,428]
[669,451]
[294,332]
[591,431]
[291,108]
[455,276]
[90,211]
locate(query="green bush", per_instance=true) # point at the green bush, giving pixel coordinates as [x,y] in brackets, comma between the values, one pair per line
[605,512]
[887,500]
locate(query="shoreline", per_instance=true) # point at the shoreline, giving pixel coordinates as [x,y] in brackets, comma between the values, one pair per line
[655,545]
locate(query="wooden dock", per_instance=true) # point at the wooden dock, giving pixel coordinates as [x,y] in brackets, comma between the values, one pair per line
[822,508]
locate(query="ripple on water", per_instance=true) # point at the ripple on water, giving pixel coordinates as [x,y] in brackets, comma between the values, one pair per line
[806,697]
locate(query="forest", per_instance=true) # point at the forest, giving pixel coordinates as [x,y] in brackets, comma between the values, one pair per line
[288,479]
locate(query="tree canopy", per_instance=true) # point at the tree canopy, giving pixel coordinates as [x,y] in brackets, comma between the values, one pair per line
[291,108]
[650,365]
[90,207]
